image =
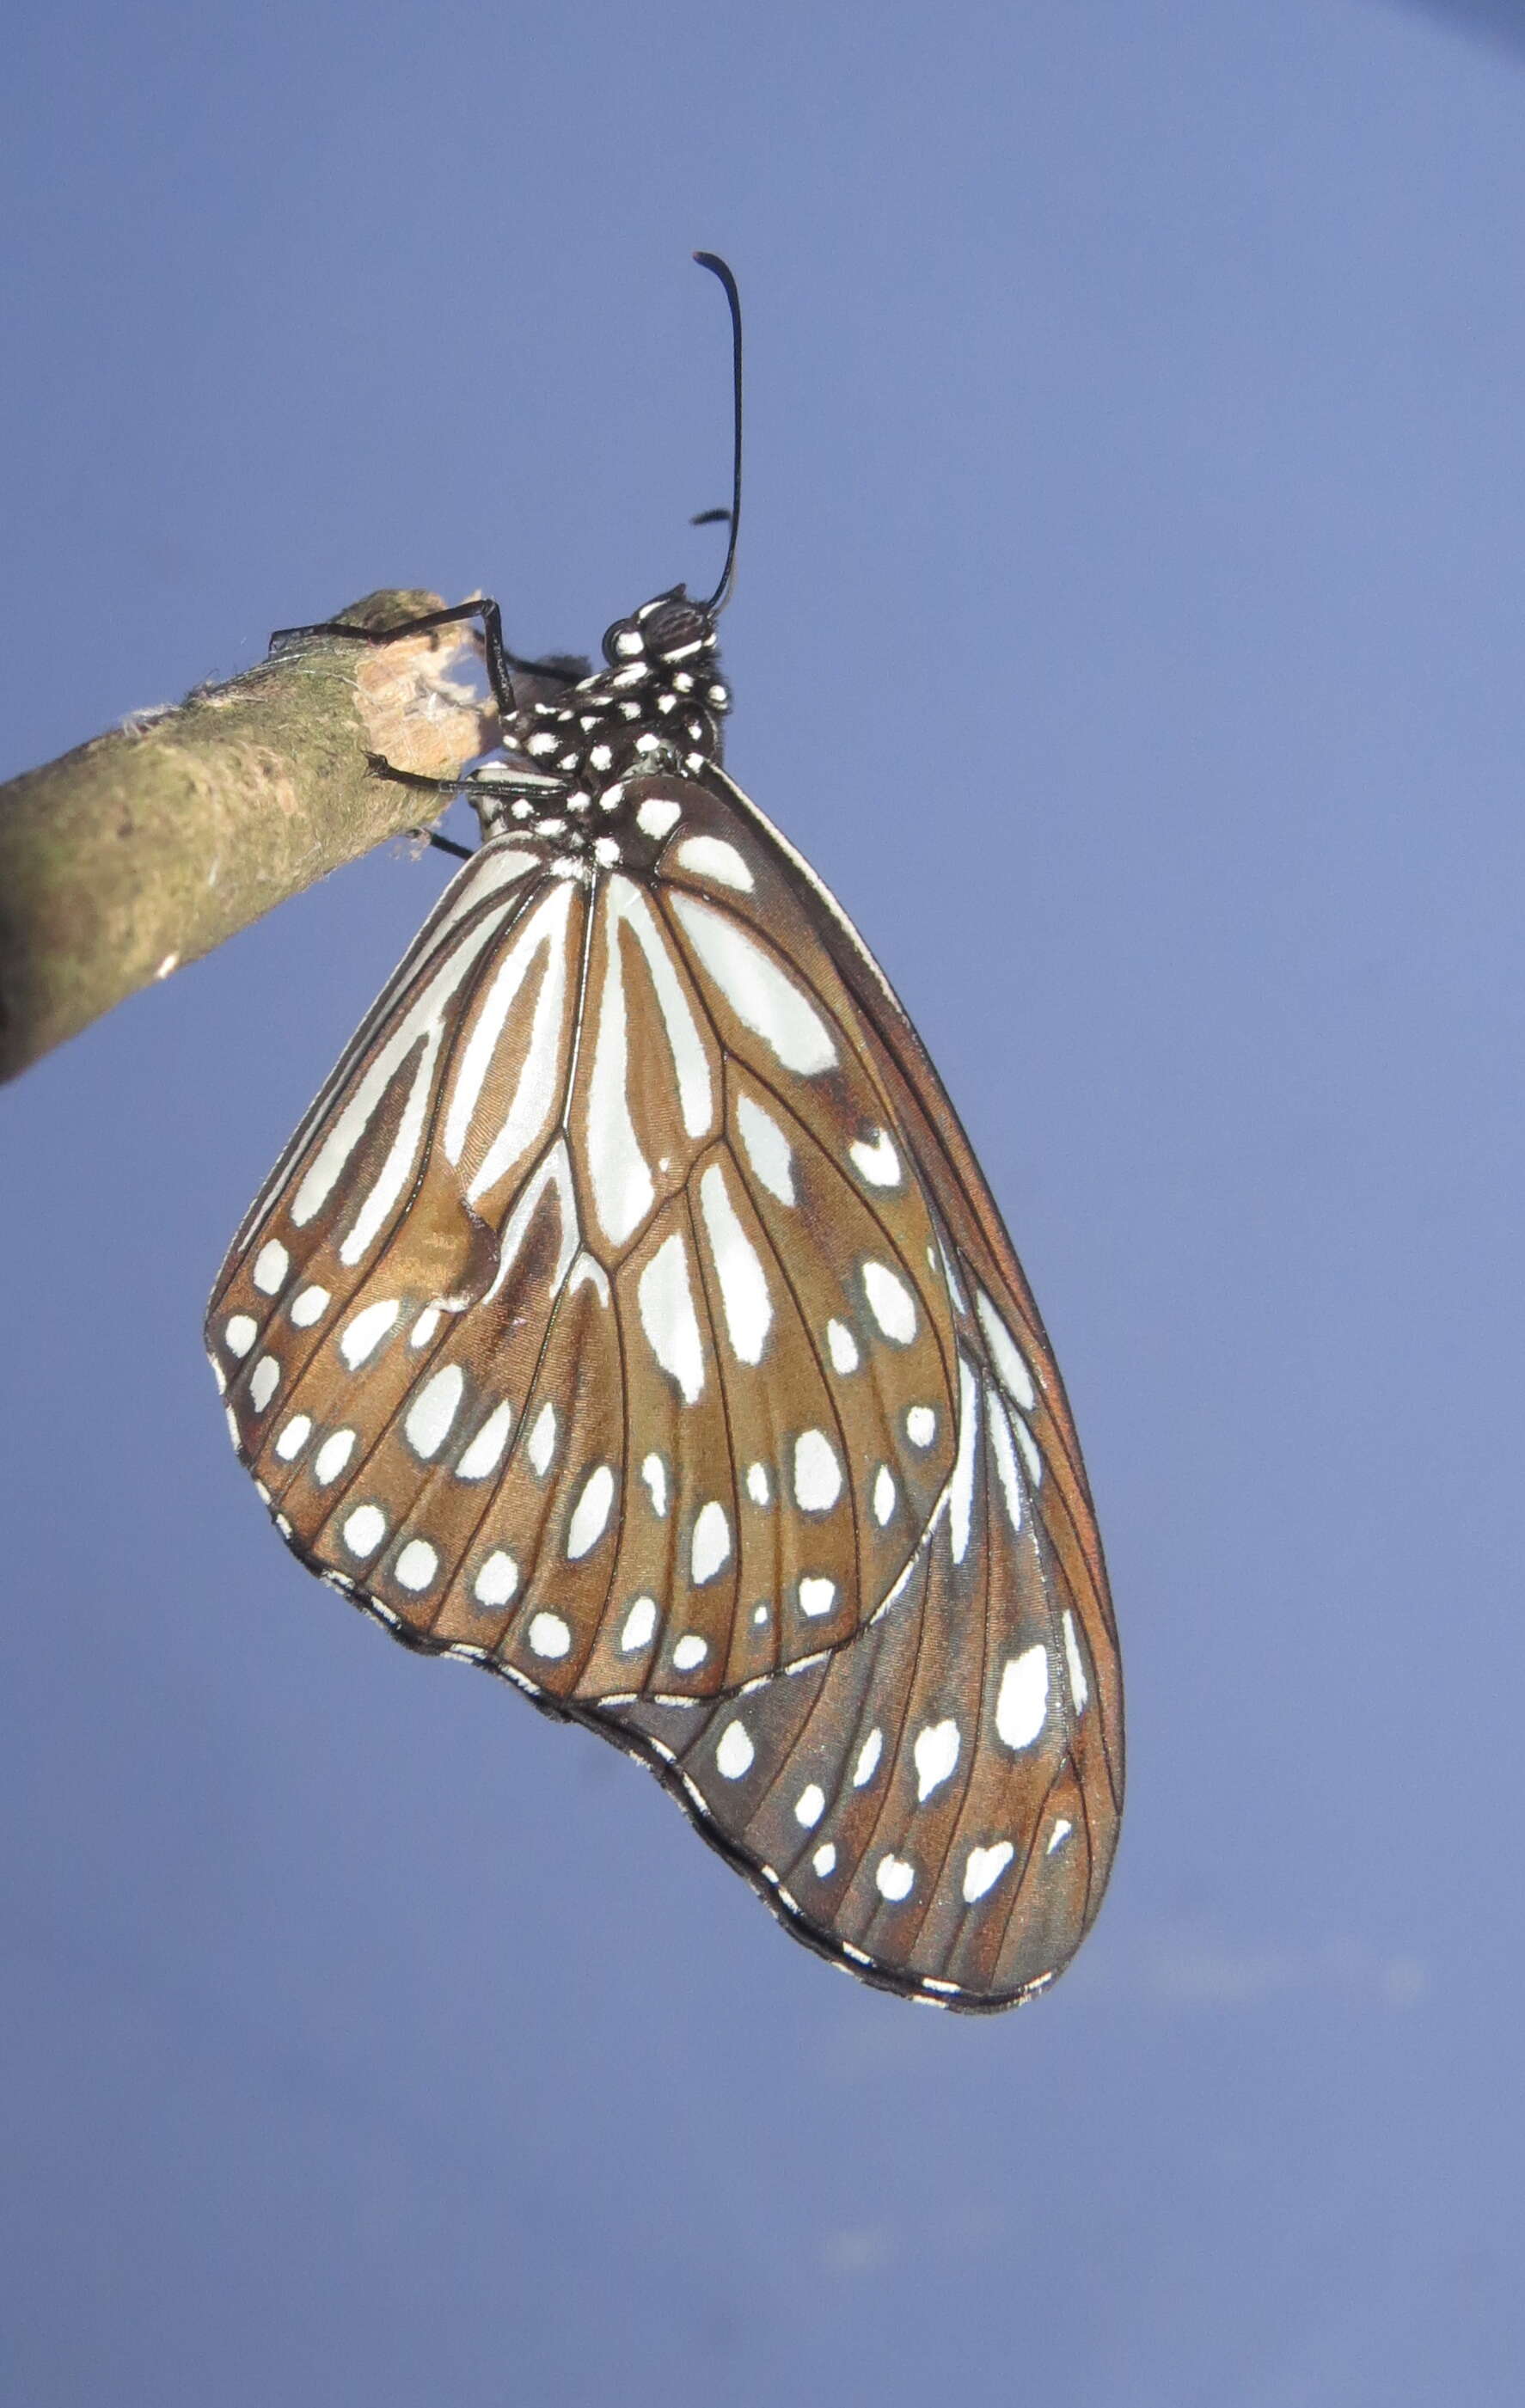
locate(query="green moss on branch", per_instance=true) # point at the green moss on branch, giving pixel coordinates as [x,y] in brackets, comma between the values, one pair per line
[143,849]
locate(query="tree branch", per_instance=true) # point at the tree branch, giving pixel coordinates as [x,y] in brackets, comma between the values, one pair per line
[145,848]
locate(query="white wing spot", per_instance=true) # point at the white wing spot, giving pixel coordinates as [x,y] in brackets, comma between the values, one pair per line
[309,1306]
[690,1651]
[921,1425]
[332,1456]
[743,1284]
[1013,1371]
[1022,1702]
[810,1805]
[961,1487]
[817,1473]
[538,1086]
[868,1758]
[665,1301]
[586,1272]
[983,1869]
[767,1148]
[367,1330]
[549,1637]
[879,1163]
[433,1410]
[264,1382]
[894,1878]
[621,1178]
[590,1515]
[734,1755]
[690,1057]
[422,1330]
[763,998]
[271,1265]
[640,1626]
[658,818]
[825,1861]
[419,1032]
[543,1439]
[417,1564]
[1075,1661]
[816,1597]
[884,1495]
[498,1579]
[293,1438]
[759,1617]
[890,1302]
[482,1458]
[712,1544]
[842,1347]
[936,1753]
[365,1529]
[1005,1453]
[711,857]
[1028,1445]
[759,1487]
[653,1471]
[1057,1837]
[240,1333]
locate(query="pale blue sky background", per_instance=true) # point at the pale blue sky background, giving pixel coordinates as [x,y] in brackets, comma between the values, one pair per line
[1130,627]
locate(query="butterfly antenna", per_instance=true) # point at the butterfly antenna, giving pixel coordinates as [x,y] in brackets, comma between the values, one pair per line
[717,268]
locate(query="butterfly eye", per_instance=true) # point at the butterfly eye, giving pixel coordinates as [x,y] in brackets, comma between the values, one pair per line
[622,643]
[630,1317]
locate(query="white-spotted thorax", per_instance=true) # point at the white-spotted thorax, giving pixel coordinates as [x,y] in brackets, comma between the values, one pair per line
[655,708]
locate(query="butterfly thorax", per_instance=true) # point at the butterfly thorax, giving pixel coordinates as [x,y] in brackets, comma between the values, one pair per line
[656,707]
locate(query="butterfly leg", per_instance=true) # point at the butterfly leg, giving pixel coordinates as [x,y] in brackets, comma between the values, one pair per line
[501,663]
[526,781]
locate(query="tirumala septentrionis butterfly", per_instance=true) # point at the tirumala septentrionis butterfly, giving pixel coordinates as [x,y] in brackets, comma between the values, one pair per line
[629,1316]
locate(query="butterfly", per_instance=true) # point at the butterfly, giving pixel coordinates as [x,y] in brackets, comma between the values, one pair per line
[630,1316]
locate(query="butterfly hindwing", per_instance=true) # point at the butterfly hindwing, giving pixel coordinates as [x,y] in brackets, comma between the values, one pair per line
[913,1804]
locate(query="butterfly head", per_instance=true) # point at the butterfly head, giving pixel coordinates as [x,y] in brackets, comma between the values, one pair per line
[672,633]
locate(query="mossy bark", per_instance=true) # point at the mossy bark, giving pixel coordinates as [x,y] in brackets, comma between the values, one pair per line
[143,849]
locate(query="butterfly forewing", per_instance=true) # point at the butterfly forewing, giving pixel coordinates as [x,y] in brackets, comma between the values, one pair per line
[572,1327]
[630,1315]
